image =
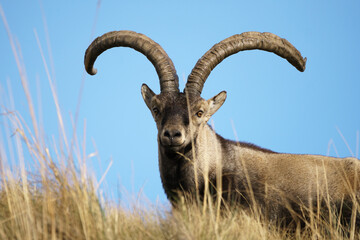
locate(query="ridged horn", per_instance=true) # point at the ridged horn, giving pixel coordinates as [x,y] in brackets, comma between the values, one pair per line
[236,43]
[169,81]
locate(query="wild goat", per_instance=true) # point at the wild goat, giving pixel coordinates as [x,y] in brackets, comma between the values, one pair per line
[192,157]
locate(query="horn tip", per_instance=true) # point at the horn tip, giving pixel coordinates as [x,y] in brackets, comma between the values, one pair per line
[303,65]
[93,71]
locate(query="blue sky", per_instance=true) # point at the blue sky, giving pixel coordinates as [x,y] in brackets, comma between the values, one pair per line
[269,102]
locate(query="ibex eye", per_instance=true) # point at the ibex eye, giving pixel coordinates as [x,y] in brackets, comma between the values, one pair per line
[199,113]
[156,111]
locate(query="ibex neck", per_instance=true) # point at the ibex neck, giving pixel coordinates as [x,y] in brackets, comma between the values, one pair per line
[177,168]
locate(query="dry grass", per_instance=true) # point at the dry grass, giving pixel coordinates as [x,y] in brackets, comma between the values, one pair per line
[46,192]
[60,206]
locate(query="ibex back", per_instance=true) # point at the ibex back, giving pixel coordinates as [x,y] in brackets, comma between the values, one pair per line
[193,157]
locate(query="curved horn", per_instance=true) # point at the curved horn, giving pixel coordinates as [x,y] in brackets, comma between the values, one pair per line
[165,69]
[234,44]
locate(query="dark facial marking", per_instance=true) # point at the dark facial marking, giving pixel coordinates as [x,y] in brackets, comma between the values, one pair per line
[176,110]
[186,120]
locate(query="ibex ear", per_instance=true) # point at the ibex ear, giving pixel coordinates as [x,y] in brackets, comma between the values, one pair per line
[147,95]
[216,102]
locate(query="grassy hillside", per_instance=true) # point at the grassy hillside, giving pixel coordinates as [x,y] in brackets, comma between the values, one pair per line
[58,204]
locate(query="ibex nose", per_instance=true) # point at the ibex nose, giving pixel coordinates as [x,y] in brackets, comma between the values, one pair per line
[172,134]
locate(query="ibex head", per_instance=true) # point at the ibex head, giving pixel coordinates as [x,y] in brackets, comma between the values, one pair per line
[180,115]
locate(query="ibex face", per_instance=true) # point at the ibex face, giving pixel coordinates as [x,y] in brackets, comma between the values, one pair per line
[178,117]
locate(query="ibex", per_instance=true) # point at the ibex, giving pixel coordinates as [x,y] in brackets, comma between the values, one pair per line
[191,154]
